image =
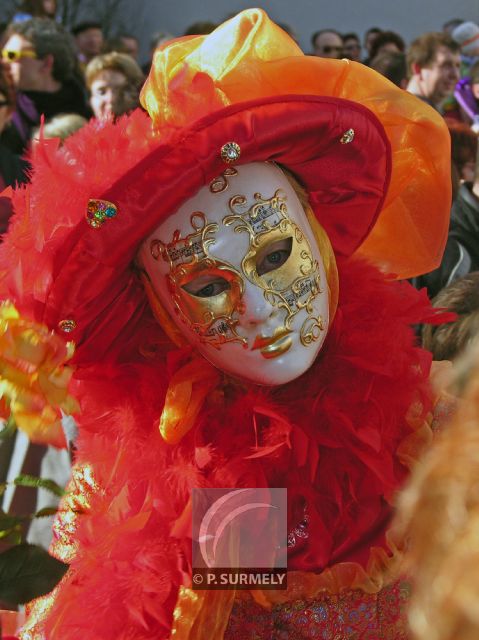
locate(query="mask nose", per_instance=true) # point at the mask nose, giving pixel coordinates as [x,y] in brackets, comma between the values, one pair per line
[256,309]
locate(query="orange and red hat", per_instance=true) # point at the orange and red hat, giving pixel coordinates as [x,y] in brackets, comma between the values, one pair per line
[373,159]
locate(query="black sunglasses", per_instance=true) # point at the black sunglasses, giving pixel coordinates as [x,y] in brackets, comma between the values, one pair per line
[4,103]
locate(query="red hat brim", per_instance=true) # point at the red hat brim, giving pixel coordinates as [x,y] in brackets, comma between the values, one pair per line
[346,182]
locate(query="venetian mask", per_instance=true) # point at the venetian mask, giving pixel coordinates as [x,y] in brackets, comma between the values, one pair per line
[239,269]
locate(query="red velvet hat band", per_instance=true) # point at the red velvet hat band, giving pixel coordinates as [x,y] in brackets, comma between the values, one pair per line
[340,154]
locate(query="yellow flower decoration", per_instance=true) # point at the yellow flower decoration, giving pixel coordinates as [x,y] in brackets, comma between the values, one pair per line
[33,378]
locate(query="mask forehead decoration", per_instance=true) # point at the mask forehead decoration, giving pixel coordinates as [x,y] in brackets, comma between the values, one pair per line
[220,183]
[294,284]
[210,317]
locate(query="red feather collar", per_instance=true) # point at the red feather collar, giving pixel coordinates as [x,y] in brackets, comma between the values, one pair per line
[331,437]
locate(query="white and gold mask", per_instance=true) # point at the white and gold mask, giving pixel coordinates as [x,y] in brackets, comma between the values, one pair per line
[238,266]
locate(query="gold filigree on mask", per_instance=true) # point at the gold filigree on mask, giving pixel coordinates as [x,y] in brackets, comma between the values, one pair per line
[261,217]
[295,284]
[191,249]
[220,183]
[210,317]
[311,330]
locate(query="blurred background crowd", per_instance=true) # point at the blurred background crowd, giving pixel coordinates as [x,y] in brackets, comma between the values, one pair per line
[55,78]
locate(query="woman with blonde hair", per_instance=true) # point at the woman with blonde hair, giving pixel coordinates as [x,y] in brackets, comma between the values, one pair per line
[114,81]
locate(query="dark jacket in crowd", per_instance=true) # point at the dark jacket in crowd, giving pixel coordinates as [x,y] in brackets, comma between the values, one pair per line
[71,98]
[13,170]
[461,255]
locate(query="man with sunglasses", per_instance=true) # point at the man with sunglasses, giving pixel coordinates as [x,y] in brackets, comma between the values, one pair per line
[327,43]
[41,57]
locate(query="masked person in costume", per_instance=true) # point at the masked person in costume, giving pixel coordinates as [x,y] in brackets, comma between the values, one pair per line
[220,270]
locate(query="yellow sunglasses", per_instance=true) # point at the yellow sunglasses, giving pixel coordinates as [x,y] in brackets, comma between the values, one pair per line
[11,55]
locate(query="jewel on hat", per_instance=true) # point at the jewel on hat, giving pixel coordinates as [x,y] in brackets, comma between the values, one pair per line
[99,211]
[230,152]
[347,137]
[67,325]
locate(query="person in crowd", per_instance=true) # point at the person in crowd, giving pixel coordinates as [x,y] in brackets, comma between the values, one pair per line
[123,43]
[131,44]
[352,46]
[41,58]
[3,33]
[89,41]
[439,513]
[434,65]
[449,26]
[327,43]
[200,28]
[466,94]
[393,66]
[369,37]
[289,30]
[254,212]
[467,37]
[387,41]
[450,340]
[157,39]
[114,81]
[36,9]
[461,255]
[463,151]
[13,170]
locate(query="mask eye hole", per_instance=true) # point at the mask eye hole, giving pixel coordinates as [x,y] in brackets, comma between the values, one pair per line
[207,286]
[274,256]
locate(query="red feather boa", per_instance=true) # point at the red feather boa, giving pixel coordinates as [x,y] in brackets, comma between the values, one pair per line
[330,437]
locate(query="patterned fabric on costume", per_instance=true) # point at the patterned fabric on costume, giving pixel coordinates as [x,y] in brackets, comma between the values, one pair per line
[350,615]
